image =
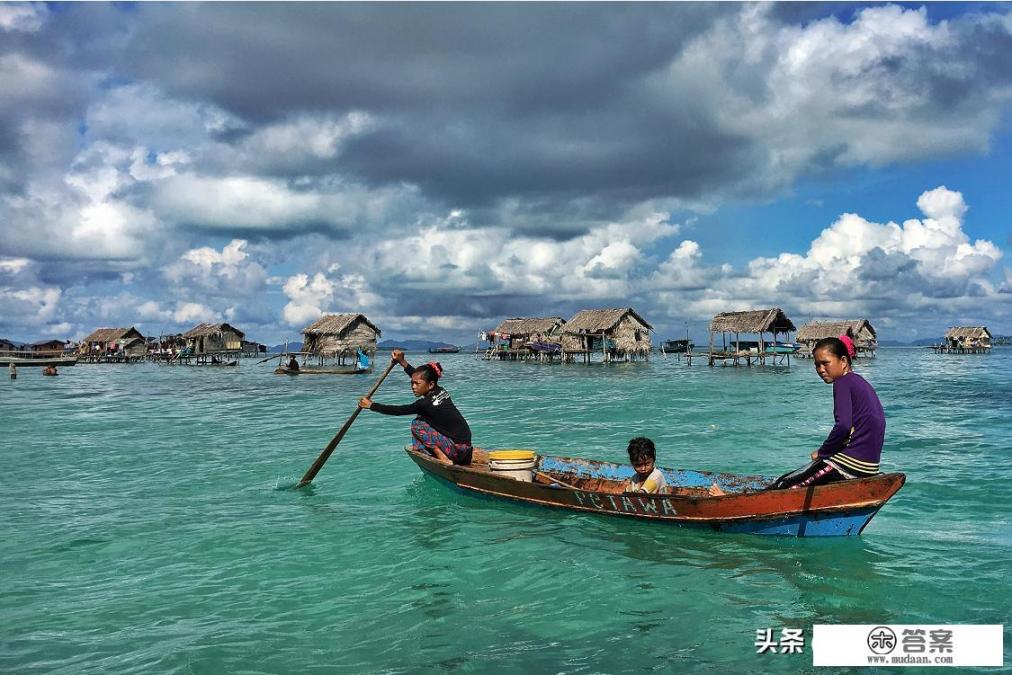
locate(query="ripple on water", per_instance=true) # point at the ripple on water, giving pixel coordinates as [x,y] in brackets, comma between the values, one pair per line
[150,522]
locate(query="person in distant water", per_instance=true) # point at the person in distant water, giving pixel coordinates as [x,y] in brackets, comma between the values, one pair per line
[50,370]
[293,363]
[648,478]
[854,446]
[439,429]
[362,360]
[13,370]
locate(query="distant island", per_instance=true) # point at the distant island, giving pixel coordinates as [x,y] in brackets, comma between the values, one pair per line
[412,345]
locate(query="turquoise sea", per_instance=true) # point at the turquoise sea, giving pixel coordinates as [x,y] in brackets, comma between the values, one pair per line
[147,523]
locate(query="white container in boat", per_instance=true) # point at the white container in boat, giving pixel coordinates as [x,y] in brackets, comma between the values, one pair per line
[515,464]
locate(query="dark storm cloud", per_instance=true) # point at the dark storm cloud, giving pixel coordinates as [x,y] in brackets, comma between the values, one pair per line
[475,102]
[258,59]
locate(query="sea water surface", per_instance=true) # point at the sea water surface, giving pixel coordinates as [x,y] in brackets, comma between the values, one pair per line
[147,520]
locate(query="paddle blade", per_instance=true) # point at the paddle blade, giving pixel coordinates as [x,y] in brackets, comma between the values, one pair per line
[327,451]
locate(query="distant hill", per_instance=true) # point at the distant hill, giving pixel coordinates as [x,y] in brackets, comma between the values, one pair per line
[412,345]
[292,347]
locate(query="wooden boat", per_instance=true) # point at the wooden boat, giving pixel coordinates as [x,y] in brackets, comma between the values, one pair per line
[544,347]
[782,348]
[58,361]
[837,509]
[444,350]
[306,370]
[676,346]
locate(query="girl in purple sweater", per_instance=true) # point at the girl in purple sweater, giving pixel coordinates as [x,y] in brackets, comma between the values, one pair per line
[854,446]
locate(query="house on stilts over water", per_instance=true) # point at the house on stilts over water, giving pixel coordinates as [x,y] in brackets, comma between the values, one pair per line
[336,339]
[524,338]
[965,340]
[113,345]
[859,330]
[766,324]
[618,334]
[212,344]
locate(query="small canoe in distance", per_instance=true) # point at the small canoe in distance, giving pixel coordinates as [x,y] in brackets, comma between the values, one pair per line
[350,370]
[444,350]
[837,509]
[676,346]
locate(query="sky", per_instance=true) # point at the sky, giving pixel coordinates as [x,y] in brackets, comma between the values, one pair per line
[441,167]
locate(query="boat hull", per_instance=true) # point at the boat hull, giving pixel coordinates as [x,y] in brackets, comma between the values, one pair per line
[56,361]
[281,370]
[837,509]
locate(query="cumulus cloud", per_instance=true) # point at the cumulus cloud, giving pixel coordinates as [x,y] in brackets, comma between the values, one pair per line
[221,279]
[25,300]
[134,140]
[308,297]
[22,16]
[859,267]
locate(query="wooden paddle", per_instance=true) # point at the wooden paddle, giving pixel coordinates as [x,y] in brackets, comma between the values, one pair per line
[325,455]
[545,477]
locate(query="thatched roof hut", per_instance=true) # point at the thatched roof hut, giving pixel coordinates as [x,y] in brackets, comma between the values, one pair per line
[620,332]
[103,339]
[340,335]
[860,331]
[209,338]
[136,347]
[968,336]
[528,326]
[752,321]
[7,345]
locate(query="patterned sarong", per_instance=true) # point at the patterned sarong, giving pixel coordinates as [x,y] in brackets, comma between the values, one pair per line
[424,438]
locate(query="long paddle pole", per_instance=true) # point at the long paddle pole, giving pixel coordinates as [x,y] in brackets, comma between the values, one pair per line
[327,451]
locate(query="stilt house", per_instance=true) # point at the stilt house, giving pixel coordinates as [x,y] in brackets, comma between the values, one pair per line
[519,331]
[860,331]
[339,335]
[766,324]
[47,347]
[213,338]
[106,341]
[618,333]
[967,340]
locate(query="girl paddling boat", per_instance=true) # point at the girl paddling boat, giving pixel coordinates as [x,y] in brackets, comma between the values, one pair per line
[439,429]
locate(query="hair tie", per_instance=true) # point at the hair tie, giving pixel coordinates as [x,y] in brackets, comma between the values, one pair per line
[436,368]
[849,344]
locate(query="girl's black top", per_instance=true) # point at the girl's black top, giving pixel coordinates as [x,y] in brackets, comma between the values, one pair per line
[436,408]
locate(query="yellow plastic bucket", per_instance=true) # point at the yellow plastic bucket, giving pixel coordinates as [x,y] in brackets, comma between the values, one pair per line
[515,464]
[512,454]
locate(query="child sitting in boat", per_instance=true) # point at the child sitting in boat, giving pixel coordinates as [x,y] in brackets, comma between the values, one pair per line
[439,429]
[854,446]
[648,478]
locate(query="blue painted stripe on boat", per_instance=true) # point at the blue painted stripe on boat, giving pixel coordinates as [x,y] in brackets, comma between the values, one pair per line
[807,525]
